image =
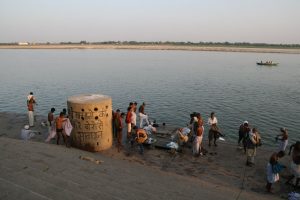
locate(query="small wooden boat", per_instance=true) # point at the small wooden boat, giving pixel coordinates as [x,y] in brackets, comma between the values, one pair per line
[267,63]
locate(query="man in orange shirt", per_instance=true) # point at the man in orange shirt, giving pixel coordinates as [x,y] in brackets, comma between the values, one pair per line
[59,128]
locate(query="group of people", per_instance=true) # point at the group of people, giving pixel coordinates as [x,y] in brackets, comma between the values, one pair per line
[134,133]
[274,167]
[126,123]
[250,139]
[58,126]
[195,132]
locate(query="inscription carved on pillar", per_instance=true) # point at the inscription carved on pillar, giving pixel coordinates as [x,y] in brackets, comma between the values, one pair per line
[91,117]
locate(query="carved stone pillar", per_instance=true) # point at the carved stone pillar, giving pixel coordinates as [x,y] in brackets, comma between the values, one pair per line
[91,117]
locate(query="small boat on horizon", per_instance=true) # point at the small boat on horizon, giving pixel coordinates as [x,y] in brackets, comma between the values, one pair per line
[268,63]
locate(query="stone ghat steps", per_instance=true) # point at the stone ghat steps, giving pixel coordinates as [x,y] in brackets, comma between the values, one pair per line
[83,180]
[32,170]
[46,178]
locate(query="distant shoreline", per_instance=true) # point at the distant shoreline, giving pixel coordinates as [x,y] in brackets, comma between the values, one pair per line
[156,47]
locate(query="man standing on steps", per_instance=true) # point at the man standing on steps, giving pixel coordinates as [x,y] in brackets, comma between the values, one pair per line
[119,127]
[30,105]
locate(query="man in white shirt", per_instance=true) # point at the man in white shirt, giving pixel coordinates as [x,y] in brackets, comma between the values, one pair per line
[143,116]
[213,132]
[212,119]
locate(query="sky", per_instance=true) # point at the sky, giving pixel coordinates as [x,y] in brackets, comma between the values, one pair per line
[255,21]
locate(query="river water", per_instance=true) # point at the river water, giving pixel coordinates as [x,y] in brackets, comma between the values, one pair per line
[172,83]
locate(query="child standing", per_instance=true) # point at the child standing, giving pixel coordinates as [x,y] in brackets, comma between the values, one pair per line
[273,169]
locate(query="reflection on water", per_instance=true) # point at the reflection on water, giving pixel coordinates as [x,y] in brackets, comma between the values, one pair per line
[173,83]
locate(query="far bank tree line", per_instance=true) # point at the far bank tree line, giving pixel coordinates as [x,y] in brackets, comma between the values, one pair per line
[194,44]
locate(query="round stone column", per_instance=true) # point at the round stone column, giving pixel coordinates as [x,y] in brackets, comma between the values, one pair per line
[91,117]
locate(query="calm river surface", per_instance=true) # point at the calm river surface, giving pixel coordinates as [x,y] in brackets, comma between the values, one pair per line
[172,83]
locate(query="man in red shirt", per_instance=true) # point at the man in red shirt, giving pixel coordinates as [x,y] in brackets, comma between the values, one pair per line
[30,112]
[128,121]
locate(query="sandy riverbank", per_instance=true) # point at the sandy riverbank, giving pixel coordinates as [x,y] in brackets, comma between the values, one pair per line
[156,47]
[36,170]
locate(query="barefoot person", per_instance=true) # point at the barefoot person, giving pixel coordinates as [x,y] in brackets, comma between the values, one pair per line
[243,133]
[252,143]
[119,125]
[197,144]
[128,121]
[214,132]
[31,102]
[273,169]
[30,113]
[59,128]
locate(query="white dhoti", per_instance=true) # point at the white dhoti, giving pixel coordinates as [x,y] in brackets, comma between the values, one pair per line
[197,145]
[282,145]
[52,133]
[31,118]
[271,177]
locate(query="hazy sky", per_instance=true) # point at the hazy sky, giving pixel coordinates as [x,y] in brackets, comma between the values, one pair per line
[269,21]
